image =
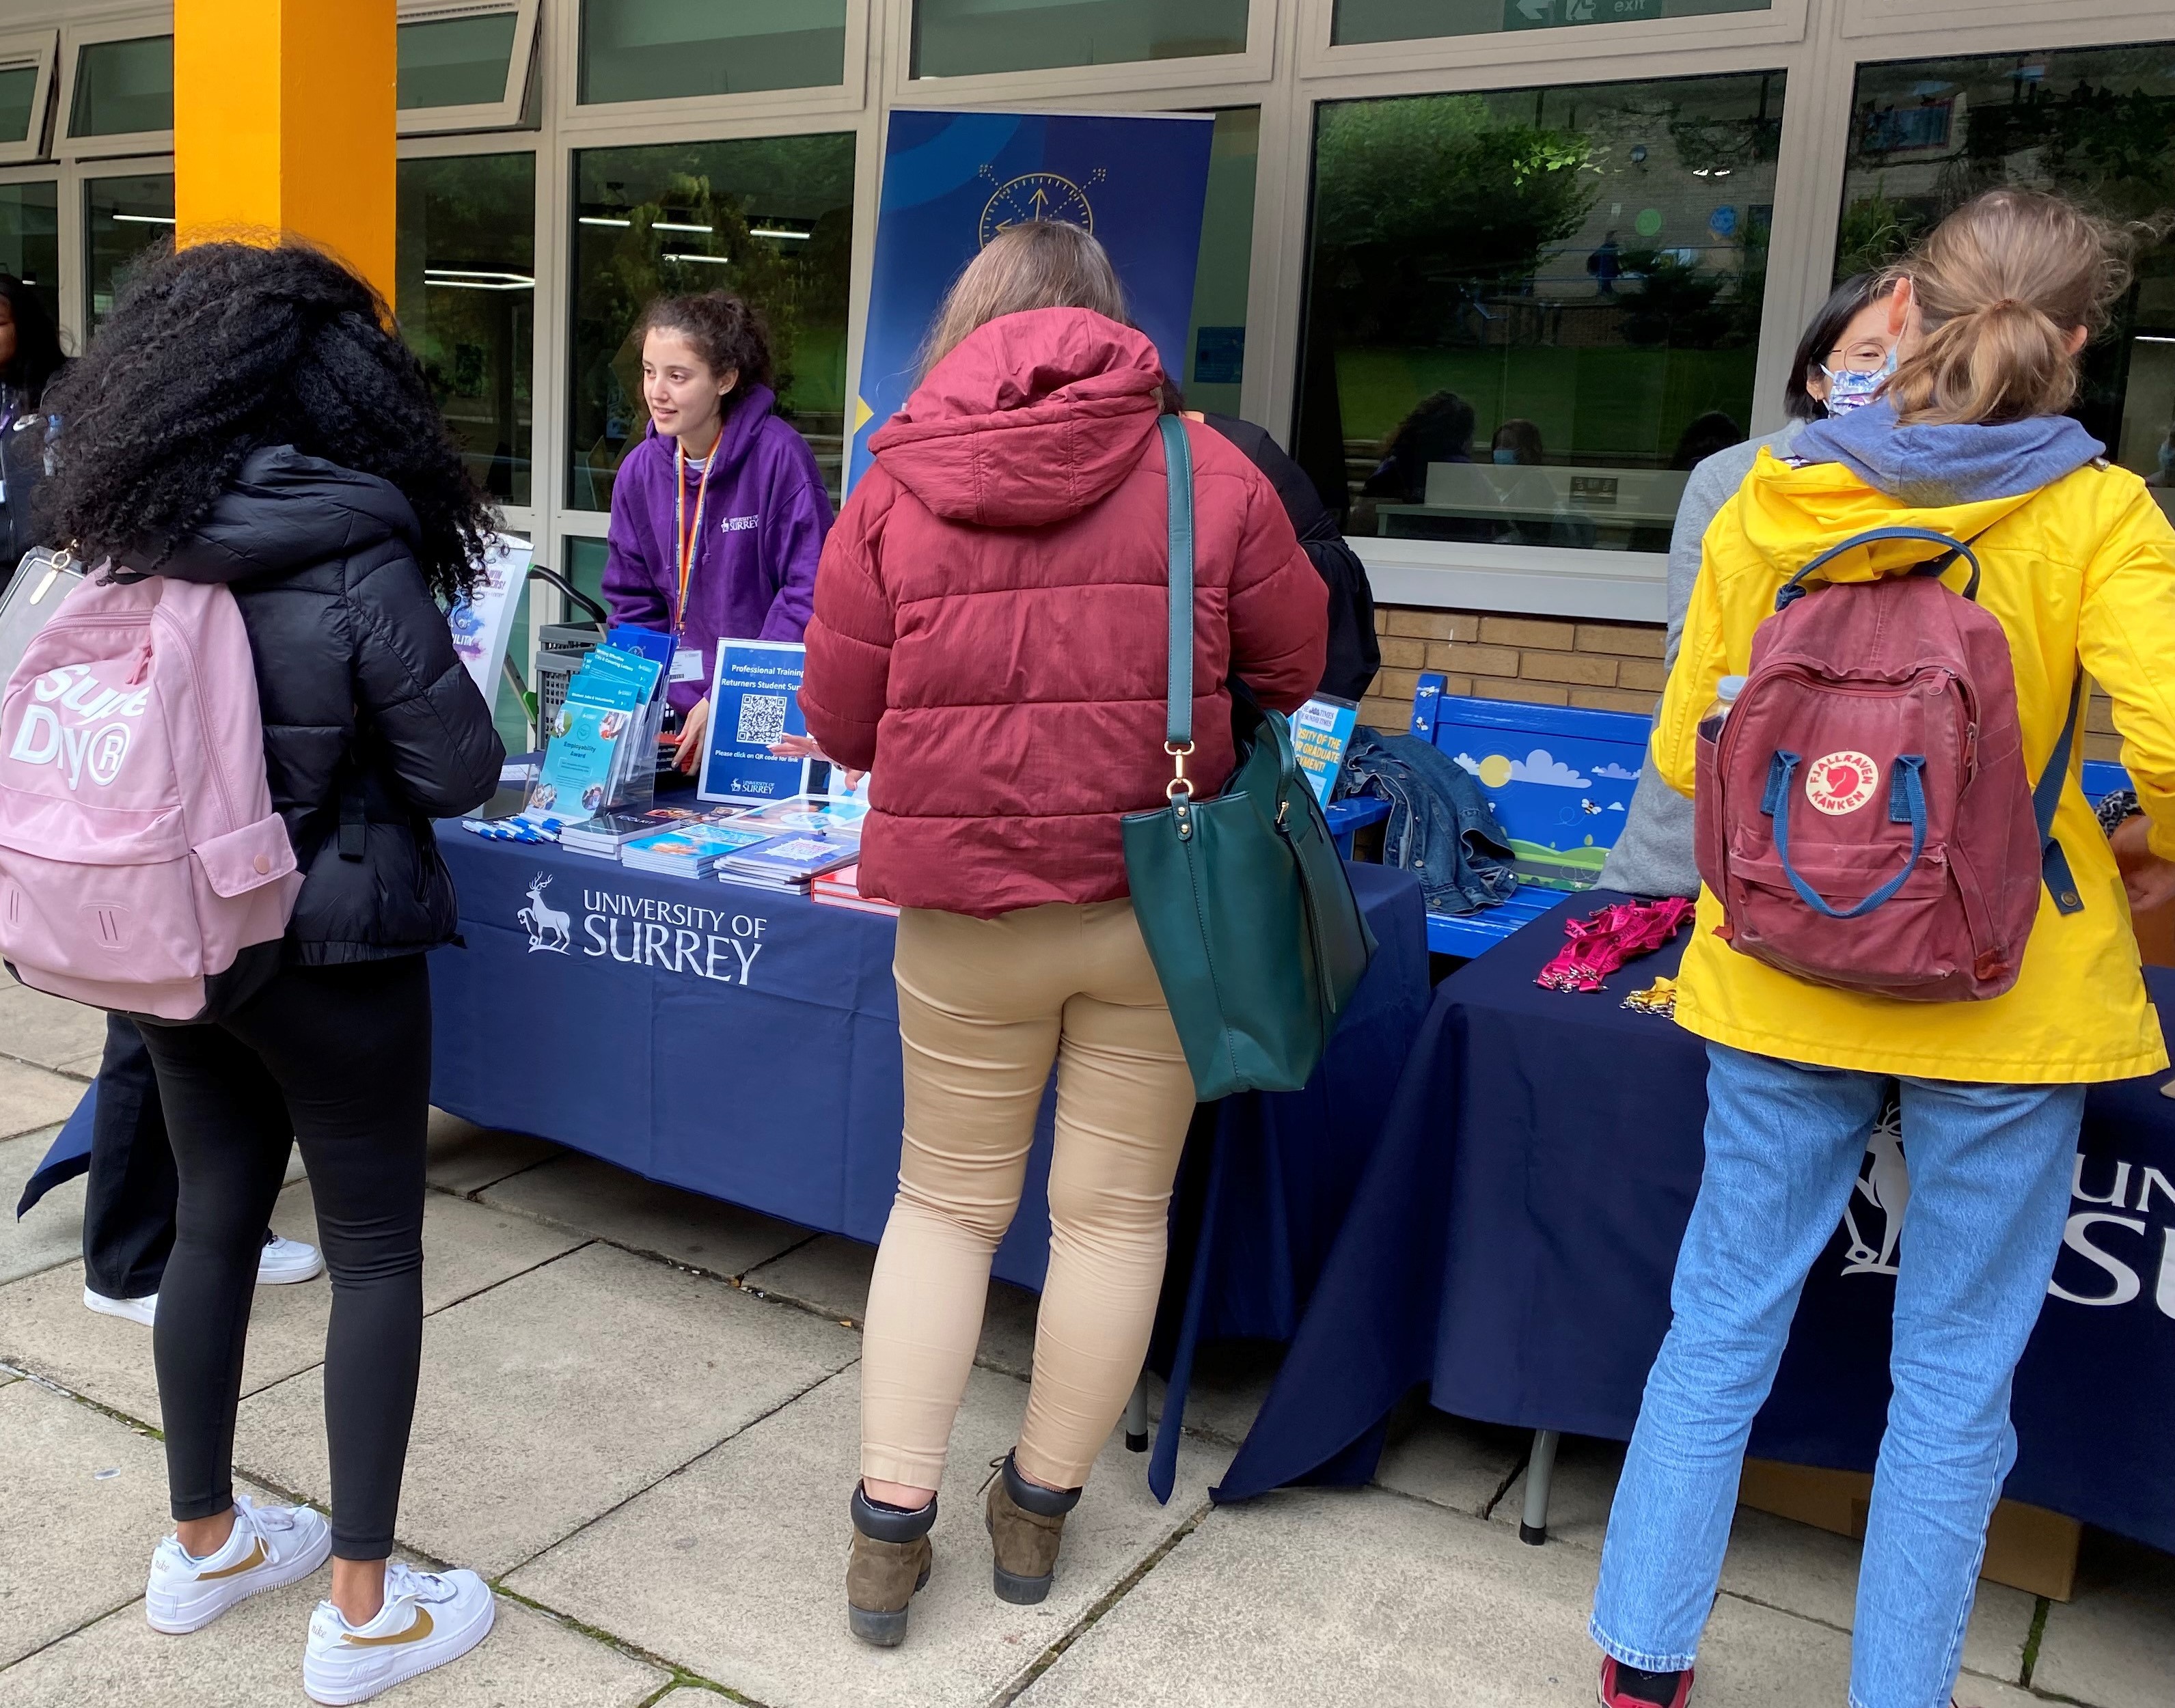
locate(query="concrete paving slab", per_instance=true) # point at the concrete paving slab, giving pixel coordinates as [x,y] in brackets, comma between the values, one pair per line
[2114,1644]
[49,1030]
[31,1098]
[1231,1379]
[51,1233]
[1451,1461]
[580,1192]
[86,1504]
[466,1248]
[831,1275]
[253,1656]
[554,1397]
[1814,1573]
[1771,1560]
[83,1066]
[463,1158]
[736,1568]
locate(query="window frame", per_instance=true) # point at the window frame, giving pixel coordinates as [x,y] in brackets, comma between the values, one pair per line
[1123,85]
[42,48]
[505,113]
[74,38]
[1561,51]
[692,116]
[520,518]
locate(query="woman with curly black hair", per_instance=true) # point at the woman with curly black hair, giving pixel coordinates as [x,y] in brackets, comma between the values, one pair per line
[718,514]
[247,417]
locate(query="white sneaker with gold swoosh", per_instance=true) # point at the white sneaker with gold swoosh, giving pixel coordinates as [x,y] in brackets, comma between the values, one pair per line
[271,1546]
[429,1618]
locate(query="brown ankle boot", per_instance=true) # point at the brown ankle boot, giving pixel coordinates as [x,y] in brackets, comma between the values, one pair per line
[890,1562]
[1026,1523]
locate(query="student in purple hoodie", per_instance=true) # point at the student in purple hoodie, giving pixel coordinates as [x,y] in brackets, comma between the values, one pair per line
[718,514]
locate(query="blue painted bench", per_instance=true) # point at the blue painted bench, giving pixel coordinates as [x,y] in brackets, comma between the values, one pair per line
[1559,780]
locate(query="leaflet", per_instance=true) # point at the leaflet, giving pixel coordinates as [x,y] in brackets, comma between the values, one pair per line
[1320,731]
[836,814]
[755,702]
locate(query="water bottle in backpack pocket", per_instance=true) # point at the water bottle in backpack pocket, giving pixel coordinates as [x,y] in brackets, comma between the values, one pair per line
[142,867]
[1864,813]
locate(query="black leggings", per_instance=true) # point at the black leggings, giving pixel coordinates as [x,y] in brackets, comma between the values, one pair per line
[339,1058]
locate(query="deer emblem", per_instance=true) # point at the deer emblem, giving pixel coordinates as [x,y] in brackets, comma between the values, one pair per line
[548,927]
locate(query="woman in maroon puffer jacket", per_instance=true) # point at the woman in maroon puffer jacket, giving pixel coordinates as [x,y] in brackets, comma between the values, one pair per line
[989,640]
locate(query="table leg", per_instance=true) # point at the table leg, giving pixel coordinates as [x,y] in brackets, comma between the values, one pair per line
[1540,1473]
[1137,1417]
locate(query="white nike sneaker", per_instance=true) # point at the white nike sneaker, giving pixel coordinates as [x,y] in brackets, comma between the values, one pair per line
[429,1618]
[284,1261]
[144,1311]
[271,1546]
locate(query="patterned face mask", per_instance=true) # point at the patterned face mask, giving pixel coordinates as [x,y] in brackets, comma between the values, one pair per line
[1848,389]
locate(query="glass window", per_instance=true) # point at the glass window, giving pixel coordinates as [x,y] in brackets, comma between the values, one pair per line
[19,91]
[585,557]
[455,61]
[959,38]
[652,50]
[771,218]
[123,217]
[1405,20]
[30,238]
[1216,342]
[2094,124]
[122,87]
[467,303]
[1531,312]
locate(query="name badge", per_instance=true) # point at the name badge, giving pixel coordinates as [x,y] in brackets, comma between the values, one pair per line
[687,665]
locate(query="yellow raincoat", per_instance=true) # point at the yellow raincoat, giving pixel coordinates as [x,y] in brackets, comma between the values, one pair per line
[2082,569]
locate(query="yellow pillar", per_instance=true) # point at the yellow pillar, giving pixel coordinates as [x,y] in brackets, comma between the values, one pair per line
[284,121]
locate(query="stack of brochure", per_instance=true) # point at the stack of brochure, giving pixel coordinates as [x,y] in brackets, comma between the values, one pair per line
[842,889]
[604,835]
[599,737]
[835,815]
[691,850]
[790,862]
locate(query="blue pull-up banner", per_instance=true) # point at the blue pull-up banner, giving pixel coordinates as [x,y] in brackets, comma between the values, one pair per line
[952,180]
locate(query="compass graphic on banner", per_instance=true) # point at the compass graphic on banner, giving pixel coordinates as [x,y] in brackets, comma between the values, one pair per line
[1037,195]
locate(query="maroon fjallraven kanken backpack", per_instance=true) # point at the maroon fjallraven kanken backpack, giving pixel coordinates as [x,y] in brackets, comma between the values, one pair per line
[1864,817]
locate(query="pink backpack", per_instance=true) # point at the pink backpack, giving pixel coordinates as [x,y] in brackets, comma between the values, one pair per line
[140,854]
[1864,817]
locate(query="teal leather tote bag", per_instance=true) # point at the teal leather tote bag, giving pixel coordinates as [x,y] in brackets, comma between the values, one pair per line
[1243,899]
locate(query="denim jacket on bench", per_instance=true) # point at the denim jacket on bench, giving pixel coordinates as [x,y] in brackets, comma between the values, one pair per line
[1439,827]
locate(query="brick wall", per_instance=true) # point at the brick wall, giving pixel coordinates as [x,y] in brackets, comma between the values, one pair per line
[1547,661]
[1551,661]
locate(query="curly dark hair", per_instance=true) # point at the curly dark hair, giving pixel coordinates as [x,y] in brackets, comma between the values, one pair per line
[219,347]
[727,332]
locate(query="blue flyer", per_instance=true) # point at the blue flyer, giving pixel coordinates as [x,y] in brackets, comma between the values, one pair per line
[755,700]
[952,180]
[1320,731]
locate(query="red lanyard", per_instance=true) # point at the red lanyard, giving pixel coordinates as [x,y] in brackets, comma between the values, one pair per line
[686,539]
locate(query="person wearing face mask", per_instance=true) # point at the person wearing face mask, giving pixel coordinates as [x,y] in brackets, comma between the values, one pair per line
[718,514]
[1845,357]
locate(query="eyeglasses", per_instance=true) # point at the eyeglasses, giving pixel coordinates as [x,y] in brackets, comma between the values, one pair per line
[1866,356]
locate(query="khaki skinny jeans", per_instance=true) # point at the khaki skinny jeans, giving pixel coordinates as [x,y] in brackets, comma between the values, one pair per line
[984,1006]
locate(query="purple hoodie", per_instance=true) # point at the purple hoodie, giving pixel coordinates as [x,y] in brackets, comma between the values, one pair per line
[754,577]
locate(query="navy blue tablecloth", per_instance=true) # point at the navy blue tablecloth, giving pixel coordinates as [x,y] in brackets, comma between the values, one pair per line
[1512,1242]
[744,1044]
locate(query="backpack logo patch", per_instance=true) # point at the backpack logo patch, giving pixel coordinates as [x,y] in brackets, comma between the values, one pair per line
[1841,782]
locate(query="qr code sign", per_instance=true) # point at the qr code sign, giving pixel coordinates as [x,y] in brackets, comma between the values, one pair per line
[762,720]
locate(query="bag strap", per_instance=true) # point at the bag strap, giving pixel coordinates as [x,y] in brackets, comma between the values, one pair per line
[1178,723]
[1906,805]
[2046,796]
[1792,590]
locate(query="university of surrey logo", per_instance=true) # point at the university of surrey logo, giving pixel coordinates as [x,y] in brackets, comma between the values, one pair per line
[548,927]
[1883,1186]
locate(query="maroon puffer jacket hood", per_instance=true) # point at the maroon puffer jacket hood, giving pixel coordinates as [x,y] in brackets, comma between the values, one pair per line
[1032,418]
[992,622]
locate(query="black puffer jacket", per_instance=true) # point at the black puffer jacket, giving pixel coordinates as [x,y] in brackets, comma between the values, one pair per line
[365,700]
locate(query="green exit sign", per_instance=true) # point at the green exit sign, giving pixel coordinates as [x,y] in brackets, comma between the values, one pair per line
[1554,14]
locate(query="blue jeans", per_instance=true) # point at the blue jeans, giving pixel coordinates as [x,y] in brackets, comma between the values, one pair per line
[1990,1168]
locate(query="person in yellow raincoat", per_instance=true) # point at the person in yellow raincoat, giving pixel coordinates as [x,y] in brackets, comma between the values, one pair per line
[1967,440]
